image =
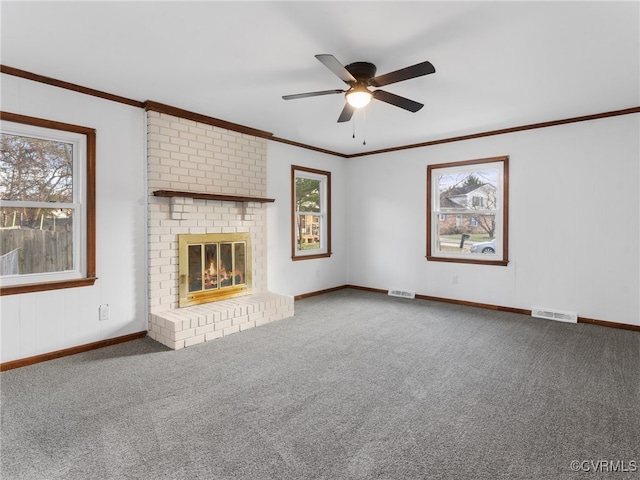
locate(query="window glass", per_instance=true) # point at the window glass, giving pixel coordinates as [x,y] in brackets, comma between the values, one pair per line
[467,211]
[35,169]
[311,213]
[44,234]
[47,211]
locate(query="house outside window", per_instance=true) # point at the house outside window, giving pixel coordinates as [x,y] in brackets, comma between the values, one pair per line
[310,213]
[47,205]
[467,211]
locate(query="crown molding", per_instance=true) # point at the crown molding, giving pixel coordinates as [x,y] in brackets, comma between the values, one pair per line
[69,86]
[168,109]
[198,117]
[309,147]
[532,126]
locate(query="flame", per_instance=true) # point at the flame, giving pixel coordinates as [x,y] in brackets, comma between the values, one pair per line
[212,269]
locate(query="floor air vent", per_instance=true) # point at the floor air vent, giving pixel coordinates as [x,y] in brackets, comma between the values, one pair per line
[570,317]
[402,294]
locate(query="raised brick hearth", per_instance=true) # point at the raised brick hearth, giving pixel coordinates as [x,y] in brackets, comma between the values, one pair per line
[188,326]
[189,156]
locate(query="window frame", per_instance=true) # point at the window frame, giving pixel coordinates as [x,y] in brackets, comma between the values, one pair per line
[84,273]
[502,212]
[325,213]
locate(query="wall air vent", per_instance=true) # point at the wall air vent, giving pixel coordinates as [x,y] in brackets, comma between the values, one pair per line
[402,294]
[570,317]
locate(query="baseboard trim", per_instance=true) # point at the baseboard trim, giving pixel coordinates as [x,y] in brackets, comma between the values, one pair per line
[523,311]
[367,289]
[450,300]
[320,292]
[23,362]
[487,306]
[604,323]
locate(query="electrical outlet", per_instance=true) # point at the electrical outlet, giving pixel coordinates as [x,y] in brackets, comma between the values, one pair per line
[454,280]
[104,312]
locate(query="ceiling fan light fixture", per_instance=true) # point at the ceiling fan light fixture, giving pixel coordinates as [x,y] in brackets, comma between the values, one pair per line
[359,76]
[358,97]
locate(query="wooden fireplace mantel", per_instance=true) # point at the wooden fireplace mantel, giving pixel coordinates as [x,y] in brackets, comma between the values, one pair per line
[212,196]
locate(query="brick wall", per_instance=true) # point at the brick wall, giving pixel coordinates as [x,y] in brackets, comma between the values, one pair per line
[190,156]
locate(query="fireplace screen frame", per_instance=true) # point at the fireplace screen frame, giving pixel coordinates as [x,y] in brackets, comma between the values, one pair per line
[205,295]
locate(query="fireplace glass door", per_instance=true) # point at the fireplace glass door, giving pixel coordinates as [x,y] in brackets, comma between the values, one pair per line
[216,265]
[214,269]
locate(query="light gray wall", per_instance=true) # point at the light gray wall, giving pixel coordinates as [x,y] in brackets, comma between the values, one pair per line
[285,276]
[38,323]
[574,221]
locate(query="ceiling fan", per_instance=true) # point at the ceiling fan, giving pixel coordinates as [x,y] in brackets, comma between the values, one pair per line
[359,76]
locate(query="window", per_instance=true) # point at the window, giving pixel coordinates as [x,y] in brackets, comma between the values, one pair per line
[475,193]
[310,213]
[47,205]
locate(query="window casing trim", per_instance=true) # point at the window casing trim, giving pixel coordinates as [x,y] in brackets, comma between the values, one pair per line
[502,242]
[87,262]
[325,213]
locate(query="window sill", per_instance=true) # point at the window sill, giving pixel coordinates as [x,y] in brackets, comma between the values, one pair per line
[309,257]
[46,286]
[500,263]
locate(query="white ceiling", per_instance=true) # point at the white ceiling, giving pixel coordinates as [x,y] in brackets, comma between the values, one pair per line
[498,64]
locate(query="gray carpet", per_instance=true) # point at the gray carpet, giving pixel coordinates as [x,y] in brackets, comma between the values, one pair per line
[357,385]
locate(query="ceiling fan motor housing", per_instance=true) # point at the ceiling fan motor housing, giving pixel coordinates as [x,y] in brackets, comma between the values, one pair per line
[363,72]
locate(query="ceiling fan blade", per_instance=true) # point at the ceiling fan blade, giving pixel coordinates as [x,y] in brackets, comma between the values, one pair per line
[336,67]
[311,94]
[418,70]
[347,113]
[397,100]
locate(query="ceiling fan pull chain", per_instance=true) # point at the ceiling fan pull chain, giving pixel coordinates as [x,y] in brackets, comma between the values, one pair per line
[364,126]
[354,127]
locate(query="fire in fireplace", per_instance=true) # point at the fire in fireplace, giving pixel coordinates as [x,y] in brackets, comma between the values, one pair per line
[213,267]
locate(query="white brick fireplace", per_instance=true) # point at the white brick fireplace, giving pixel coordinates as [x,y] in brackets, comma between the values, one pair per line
[203,179]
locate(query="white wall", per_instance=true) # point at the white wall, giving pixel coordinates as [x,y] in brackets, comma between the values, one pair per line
[574,224]
[574,221]
[285,276]
[37,323]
